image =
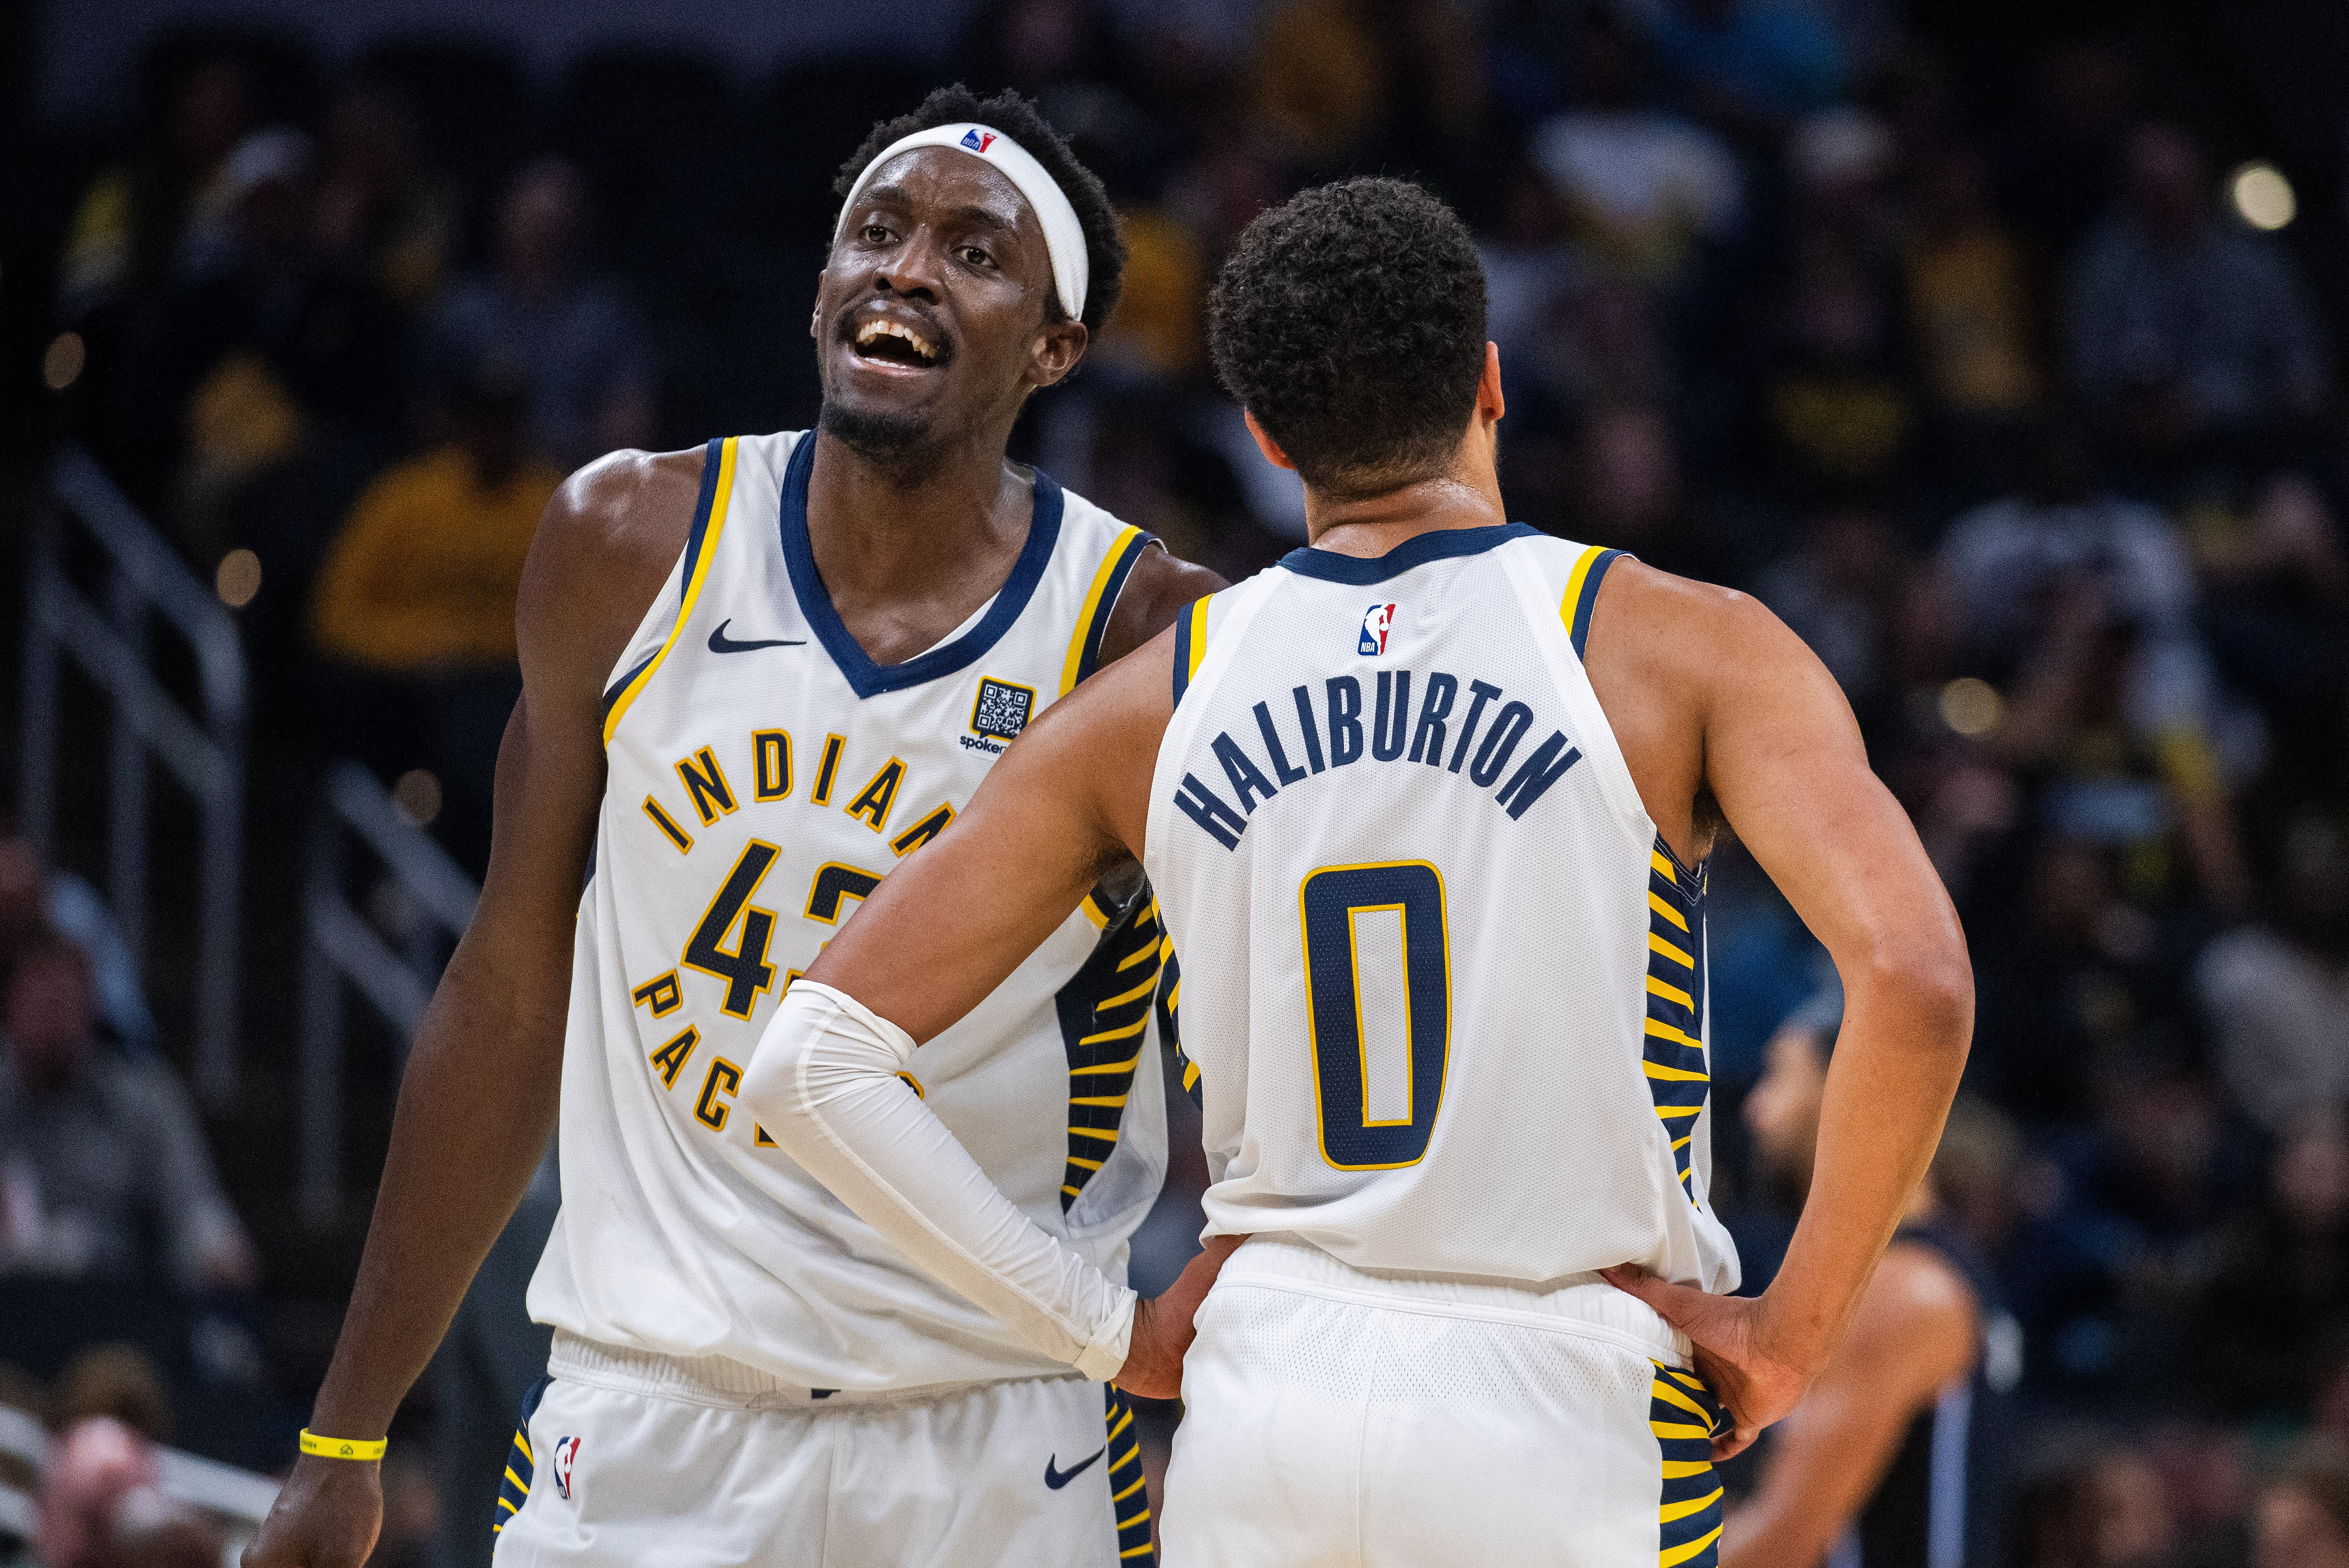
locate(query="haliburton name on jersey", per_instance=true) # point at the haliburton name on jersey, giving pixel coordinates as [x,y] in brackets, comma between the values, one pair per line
[1391,722]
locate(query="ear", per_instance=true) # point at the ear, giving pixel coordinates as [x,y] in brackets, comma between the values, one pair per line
[1490,404]
[815,311]
[1266,444]
[1057,352]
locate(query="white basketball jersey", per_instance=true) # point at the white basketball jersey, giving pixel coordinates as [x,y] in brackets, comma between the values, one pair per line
[763,775]
[1442,988]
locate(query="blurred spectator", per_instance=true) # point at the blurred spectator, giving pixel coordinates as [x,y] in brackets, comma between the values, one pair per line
[166,208]
[1339,78]
[1840,593]
[267,343]
[1628,493]
[1839,415]
[2002,563]
[383,213]
[99,1154]
[415,605]
[33,895]
[2301,1520]
[2060,164]
[1748,65]
[1641,188]
[2277,993]
[1974,319]
[575,338]
[2281,1293]
[100,1506]
[2278,620]
[116,1382]
[2187,330]
[2108,1513]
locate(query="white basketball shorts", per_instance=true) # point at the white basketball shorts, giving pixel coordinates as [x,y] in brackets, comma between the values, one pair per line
[1337,1419]
[630,1458]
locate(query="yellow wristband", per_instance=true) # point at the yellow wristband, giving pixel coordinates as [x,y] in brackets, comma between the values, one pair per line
[342,1448]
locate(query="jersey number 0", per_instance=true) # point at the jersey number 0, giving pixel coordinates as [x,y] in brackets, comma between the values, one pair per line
[1353,916]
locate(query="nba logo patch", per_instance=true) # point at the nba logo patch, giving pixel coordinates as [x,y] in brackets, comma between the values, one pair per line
[566,1451]
[1377,621]
[977,140]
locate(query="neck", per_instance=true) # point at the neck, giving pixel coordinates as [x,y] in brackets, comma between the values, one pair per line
[1467,497]
[883,531]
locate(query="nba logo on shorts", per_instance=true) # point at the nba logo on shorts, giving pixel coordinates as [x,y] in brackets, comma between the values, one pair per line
[566,1451]
[1376,620]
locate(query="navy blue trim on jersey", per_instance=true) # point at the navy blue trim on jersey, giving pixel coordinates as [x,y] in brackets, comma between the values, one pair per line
[865,677]
[1438,544]
[1588,600]
[522,1464]
[712,460]
[1106,606]
[1181,653]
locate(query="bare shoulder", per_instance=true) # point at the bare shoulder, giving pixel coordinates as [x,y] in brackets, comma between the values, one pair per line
[1678,626]
[604,546]
[1154,593]
[1917,1314]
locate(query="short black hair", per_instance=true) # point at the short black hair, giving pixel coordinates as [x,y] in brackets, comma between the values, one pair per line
[1019,120]
[1350,322]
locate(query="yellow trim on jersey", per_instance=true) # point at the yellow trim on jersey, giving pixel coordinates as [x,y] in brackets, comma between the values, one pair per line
[723,492]
[1573,584]
[1678,1554]
[1681,1469]
[1198,640]
[1671,1395]
[1083,634]
[1672,1511]
[1669,912]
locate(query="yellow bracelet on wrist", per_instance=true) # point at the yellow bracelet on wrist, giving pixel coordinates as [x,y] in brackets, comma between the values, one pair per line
[342,1448]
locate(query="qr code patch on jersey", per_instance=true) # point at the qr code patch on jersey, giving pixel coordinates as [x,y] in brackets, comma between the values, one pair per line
[1002,708]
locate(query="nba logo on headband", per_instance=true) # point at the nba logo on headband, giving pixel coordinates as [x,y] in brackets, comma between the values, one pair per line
[977,140]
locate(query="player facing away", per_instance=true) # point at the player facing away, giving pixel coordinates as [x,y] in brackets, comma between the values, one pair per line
[1427,807]
[757,676]
[1894,1457]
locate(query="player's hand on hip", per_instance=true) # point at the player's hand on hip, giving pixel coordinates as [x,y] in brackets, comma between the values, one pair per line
[1163,1329]
[327,1516]
[1754,1382]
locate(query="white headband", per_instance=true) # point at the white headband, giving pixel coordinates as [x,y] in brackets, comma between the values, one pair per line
[1065,237]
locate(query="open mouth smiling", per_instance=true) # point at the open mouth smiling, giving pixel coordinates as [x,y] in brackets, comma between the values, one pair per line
[895,342]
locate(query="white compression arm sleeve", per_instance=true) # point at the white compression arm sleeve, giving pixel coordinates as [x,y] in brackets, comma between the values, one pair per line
[823,1083]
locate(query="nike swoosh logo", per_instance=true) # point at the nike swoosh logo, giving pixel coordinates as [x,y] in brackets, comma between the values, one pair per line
[1056,1478]
[719,643]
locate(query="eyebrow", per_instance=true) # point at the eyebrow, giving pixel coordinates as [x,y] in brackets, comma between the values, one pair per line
[895,195]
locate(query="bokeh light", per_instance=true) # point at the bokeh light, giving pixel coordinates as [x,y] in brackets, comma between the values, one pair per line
[2263,196]
[1972,706]
[237,578]
[418,796]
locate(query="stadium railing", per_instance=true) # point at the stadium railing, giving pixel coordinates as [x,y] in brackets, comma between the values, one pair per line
[203,747]
[435,902]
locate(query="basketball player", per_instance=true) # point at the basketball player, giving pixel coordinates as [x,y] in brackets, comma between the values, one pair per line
[1427,807]
[755,677]
[1890,1461]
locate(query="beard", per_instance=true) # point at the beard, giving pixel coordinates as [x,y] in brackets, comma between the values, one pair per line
[891,441]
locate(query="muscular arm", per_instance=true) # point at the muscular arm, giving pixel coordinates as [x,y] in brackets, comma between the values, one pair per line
[1914,1334]
[1716,698]
[478,1099]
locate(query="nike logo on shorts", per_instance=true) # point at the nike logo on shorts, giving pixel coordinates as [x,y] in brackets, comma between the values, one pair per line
[719,643]
[1056,1478]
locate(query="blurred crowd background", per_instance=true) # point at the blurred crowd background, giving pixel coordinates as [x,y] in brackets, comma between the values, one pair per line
[1993,345]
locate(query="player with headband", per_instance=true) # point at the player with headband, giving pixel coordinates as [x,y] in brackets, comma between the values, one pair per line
[757,674]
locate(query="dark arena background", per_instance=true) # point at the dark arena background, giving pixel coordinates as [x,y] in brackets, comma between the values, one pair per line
[1994,345]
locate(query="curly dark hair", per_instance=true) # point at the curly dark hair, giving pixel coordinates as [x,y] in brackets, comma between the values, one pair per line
[1019,120]
[1350,322]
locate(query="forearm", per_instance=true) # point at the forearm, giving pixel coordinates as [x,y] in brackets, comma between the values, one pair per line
[824,1084]
[469,1131]
[1896,1069]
